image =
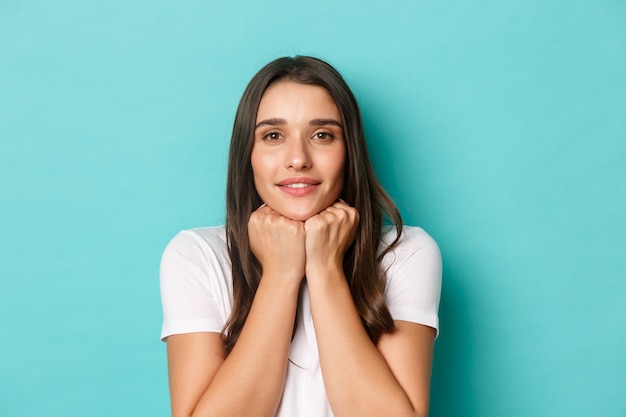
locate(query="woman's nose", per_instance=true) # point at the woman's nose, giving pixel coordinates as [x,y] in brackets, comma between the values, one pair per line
[298,155]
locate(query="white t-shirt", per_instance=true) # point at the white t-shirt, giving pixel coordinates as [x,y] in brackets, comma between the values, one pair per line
[196,292]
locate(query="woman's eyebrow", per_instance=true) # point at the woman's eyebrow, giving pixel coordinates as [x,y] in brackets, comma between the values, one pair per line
[314,122]
[325,122]
[270,122]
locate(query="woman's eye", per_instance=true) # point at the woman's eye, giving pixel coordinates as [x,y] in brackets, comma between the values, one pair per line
[323,135]
[272,136]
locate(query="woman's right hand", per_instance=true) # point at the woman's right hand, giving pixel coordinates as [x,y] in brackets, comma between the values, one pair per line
[278,243]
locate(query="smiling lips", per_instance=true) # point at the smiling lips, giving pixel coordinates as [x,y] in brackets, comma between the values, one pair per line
[298,186]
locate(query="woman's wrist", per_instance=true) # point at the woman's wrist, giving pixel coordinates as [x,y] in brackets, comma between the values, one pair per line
[324,273]
[280,281]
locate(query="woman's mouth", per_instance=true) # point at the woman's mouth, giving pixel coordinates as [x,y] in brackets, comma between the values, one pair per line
[298,186]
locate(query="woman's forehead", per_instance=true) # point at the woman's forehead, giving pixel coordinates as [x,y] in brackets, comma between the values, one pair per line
[291,100]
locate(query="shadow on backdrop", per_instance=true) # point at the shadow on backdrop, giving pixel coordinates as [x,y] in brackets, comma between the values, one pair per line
[452,385]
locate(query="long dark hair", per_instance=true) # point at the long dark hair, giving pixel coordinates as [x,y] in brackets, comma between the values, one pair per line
[362,261]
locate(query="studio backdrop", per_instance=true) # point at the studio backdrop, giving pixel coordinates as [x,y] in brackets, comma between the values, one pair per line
[499,127]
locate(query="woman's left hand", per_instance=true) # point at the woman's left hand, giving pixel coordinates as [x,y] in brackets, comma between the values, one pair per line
[328,235]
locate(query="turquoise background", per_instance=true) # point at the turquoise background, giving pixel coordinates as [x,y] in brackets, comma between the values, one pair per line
[500,127]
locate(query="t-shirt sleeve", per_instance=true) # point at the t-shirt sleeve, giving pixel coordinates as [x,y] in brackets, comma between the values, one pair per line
[414,279]
[193,289]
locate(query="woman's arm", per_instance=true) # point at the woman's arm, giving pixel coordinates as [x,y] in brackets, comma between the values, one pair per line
[360,378]
[249,381]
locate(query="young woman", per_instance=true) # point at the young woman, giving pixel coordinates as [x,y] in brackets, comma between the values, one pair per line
[303,304]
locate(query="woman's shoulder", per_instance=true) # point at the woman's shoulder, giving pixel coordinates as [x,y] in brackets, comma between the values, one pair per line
[414,246]
[195,281]
[413,276]
[199,240]
[412,239]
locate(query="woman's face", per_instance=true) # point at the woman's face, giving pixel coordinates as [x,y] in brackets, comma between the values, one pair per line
[299,151]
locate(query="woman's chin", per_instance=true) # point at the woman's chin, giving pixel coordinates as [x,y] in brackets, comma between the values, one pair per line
[301,210]
[296,215]
[299,217]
